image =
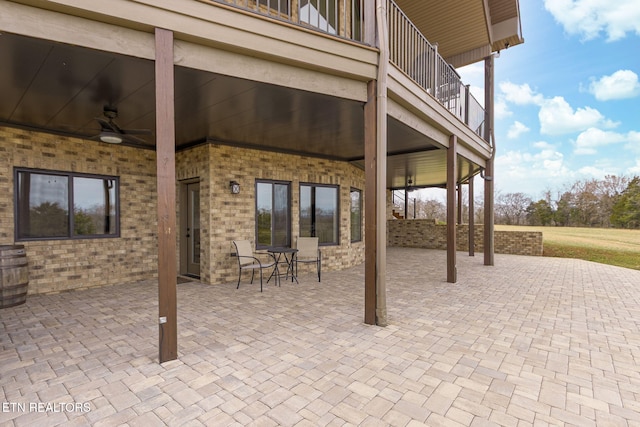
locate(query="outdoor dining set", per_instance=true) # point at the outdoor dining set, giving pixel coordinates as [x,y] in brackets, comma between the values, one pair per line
[283,261]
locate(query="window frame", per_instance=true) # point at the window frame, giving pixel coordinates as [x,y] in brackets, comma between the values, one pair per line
[70,204]
[272,182]
[313,186]
[351,191]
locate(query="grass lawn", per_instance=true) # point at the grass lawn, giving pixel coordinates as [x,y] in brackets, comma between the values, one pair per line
[605,245]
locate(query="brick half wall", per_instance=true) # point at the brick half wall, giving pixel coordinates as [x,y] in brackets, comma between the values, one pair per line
[425,233]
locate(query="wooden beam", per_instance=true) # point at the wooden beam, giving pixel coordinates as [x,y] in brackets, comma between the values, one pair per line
[452,173]
[166,179]
[370,201]
[472,220]
[488,214]
[488,173]
[406,199]
[459,205]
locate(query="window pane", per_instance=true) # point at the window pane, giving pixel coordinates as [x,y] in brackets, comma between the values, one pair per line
[356,215]
[315,13]
[48,203]
[273,217]
[305,211]
[327,214]
[43,205]
[264,208]
[281,215]
[94,206]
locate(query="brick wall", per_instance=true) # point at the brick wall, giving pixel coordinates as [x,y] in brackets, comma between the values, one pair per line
[424,233]
[57,265]
[232,216]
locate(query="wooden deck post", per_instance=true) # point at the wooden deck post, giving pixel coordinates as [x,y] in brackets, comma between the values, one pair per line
[452,173]
[459,205]
[166,180]
[488,173]
[370,203]
[472,221]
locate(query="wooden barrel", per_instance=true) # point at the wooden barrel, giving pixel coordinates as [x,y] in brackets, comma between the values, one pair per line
[14,275]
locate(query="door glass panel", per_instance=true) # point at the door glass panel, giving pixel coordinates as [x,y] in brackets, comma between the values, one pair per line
[194,207]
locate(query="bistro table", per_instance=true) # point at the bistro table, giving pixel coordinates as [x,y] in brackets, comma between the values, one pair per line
[289,257]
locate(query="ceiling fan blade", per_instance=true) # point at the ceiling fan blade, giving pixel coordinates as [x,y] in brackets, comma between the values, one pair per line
[106,125]
[115,126]
[136,131]
[133,139]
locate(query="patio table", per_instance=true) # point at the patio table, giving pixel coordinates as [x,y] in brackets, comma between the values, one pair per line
[289,257]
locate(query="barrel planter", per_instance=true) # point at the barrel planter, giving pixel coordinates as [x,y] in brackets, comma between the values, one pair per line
[14,275]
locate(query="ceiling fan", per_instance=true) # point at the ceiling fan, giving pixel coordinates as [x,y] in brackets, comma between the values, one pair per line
[111,133]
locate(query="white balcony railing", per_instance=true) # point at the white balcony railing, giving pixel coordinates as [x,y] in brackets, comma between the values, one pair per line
[412,53]
[409,49]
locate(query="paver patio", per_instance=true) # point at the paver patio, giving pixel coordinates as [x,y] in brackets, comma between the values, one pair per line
[530,341]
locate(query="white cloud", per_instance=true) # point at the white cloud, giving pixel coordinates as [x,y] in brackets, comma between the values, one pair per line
[590,18]
[635,170]
[633,142]
[557,117]
[593,172]
[531,172]
[591,139]
[520,94]
[619,85]
[516,130]
[472,74]
[543,145]
[501,109]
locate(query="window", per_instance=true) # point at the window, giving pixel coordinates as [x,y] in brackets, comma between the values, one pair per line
[356,215]
[319,213]
[60,205]
[273,214]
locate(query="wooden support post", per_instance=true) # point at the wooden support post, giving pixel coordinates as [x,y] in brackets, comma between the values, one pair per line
[166,180]
[406,201]
[459,205]
[488,173]
[370,201]
[452,173]
[488,214]
[472,220]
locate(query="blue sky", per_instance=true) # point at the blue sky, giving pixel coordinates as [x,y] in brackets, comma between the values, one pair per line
[568,99]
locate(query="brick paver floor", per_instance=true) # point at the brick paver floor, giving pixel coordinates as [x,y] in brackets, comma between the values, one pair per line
[531,341]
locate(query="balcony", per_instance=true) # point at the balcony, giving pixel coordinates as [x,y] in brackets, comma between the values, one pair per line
[410,50]
[342,18]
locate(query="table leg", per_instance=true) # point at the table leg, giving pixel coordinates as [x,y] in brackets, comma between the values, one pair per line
[276,270]
[290,267]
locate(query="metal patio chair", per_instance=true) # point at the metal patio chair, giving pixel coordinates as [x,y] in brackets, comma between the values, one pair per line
[248,261]
[308,252]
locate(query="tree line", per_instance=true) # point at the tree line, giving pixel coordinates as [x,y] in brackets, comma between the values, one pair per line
[613,201]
